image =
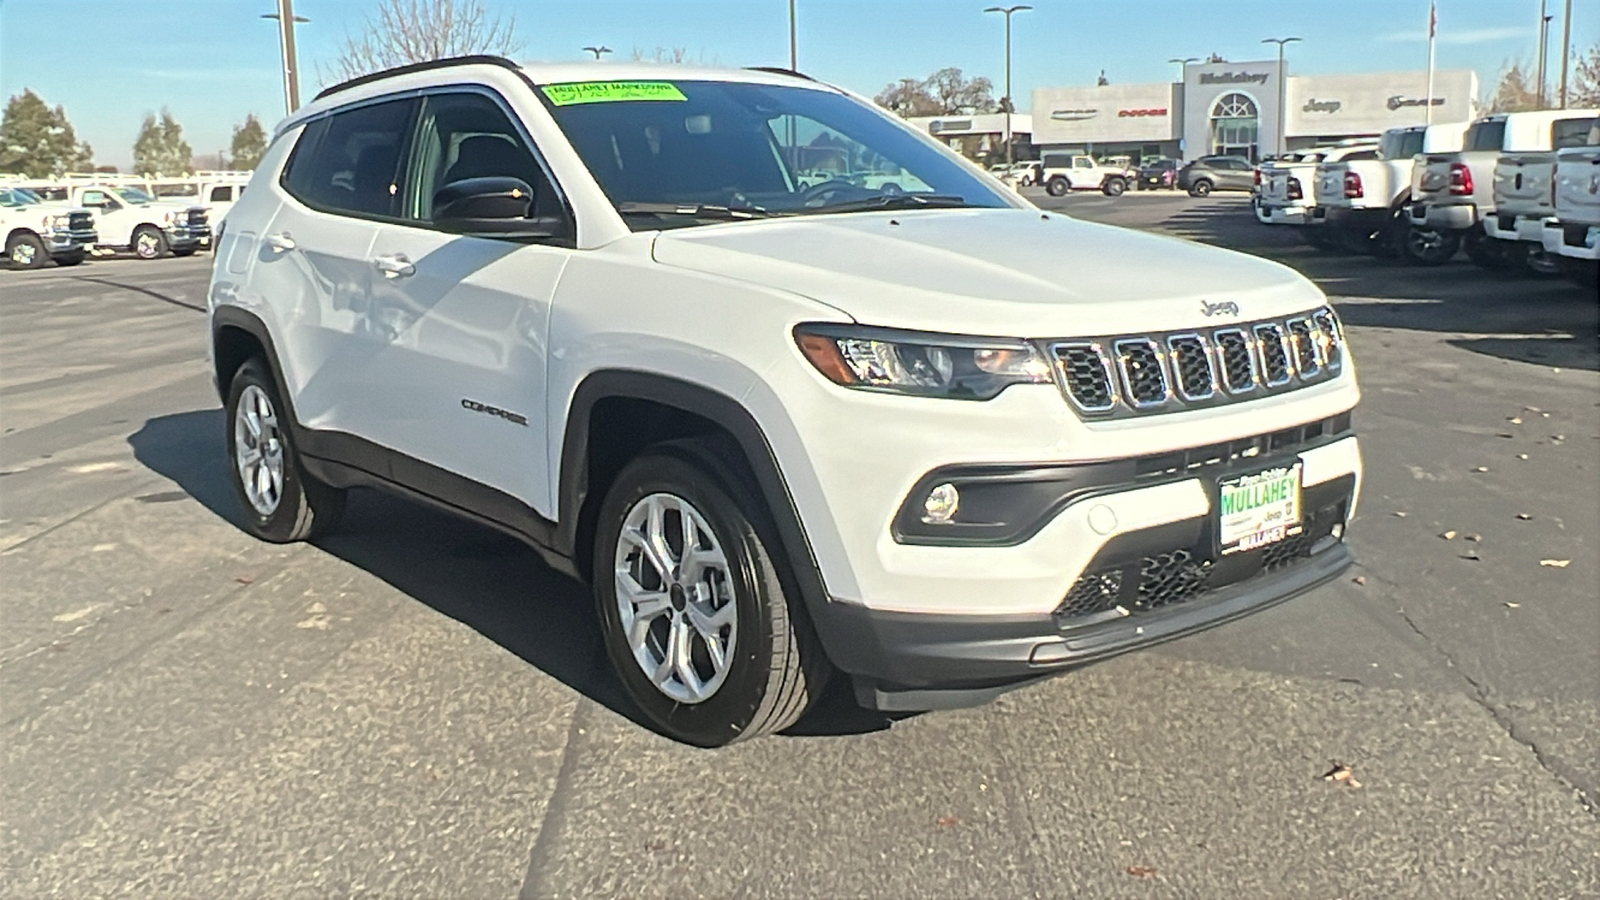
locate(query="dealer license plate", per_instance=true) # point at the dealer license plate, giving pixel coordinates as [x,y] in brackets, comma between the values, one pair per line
[1258,509]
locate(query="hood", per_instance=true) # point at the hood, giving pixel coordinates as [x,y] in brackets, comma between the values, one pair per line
[1001,272]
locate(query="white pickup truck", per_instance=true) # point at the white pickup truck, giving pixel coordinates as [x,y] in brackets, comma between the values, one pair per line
[38,231]
[1524,196]
[1572,235]
[1363,202]
[1453,193]
[1063,172]
[132,219]
[1288,194]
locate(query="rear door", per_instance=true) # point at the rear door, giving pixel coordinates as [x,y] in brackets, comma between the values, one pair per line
[314,268]
[462,361]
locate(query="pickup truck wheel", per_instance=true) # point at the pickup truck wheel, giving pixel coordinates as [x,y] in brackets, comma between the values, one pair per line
[699,625]
[282,503]
[1058,186]
[149,242]
[70,259]
[26,251]
[1114,187]
[1426,247]
[1201,188]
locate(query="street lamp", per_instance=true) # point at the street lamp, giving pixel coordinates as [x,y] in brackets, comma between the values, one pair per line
[1282,126]
[291,72]
[598,50]
[1183,65]
[1010,103]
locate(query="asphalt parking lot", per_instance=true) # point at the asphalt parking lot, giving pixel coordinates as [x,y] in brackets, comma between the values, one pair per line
[415,707]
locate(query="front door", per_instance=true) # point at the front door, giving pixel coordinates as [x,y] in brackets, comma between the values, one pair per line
[460,383]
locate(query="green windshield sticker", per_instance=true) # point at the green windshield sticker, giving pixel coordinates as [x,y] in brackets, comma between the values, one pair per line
[611,92]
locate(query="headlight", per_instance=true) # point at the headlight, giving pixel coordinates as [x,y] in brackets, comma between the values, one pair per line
[53,222]
[912,362]
[173,217]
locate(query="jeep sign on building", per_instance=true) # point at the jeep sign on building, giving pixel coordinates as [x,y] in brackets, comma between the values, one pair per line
[1232,108]
[1338,105]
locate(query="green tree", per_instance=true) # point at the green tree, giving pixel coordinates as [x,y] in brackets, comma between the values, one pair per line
[160,148]
[38,141]
[249,143]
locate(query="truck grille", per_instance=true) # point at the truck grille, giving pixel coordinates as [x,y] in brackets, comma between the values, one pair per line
[197,217]
[80,221]
[1168,372]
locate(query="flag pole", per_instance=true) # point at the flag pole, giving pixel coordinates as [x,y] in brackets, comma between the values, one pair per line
[1433,27]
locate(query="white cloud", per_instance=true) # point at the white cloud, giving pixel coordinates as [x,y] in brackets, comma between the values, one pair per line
[1460,37]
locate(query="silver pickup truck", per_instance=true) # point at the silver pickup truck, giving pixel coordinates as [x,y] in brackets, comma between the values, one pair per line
[1572,235]
[1524,196]
[1453,193]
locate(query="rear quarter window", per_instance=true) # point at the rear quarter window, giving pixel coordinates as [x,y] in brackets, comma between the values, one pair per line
[349,161]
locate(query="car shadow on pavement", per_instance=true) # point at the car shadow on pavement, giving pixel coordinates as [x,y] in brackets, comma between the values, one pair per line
[488,581]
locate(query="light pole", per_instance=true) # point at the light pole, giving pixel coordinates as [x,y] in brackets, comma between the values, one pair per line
[1544,46]
[598,50]
[291,69]
[1282,81]
[1183,65]
[794,55]
[1010,103]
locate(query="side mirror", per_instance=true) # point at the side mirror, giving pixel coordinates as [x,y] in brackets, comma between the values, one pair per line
[494,205]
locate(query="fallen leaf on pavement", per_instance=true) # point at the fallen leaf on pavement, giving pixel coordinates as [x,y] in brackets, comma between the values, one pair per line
[1141,871]
[1342,773]
[1400,514]
[1555,563]
[1522,456]
[1515,420]
[1524,516]
[1472,555]
[1504,434]
[1473,537]
[1360,579]
[947,821]
[1511,605]
[245,580]
[1481,469]
[1448,535]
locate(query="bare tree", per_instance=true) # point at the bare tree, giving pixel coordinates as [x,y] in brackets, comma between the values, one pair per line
[412,31]
[1584,92]
[945,92]
[1516,92]
[670,55]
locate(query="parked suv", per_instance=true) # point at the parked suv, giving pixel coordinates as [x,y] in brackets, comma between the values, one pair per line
[934,440]
[1158,173]
[1217,173]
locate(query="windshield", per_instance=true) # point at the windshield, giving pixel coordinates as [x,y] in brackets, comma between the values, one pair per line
[133,195]
[689,151]
[16,197]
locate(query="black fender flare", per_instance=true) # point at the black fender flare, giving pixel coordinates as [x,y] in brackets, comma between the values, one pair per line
[713,406]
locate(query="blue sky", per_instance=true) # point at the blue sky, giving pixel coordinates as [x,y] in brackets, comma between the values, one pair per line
[212,61]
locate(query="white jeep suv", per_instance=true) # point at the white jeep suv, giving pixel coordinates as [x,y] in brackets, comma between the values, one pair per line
[935,440]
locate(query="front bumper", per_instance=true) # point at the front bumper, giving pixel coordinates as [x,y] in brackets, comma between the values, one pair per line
[1572,240]
[1457,217]
[68,243]
[1150,575]
[184,237]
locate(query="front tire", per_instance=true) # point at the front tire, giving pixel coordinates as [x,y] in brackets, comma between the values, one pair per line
[697,620]
[70,259]
[1201,188]
[1114,187]
[26,251]
[149,242]
[282,502]
[1057,186]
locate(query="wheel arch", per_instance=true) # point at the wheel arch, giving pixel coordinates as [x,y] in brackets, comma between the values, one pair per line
[634,410]
[22,231]
[236,336]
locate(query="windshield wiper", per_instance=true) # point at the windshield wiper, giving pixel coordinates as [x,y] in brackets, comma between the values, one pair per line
[895,201]
[698,210]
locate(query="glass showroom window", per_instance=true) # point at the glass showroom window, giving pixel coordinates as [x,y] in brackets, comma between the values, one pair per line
[1235,123]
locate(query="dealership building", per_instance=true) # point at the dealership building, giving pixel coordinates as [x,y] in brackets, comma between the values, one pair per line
[1233,108]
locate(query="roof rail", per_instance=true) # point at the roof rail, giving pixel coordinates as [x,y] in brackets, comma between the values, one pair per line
[481,59]
[779,70]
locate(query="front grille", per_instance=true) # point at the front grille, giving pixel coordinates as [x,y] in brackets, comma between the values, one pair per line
[1185,574]
[1166,372]
[80,221]
[197,218]
[1143,376]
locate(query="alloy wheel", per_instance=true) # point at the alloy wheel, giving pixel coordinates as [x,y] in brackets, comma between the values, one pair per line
[675,597]
[258,450]
[22,254]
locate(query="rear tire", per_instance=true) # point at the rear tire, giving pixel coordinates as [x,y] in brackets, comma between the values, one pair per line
[282,503]
[1426,247]
[26,251]
[710,643]
[1201,188]
[1057,186]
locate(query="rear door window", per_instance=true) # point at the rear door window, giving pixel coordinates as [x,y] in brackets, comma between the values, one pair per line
[349,162]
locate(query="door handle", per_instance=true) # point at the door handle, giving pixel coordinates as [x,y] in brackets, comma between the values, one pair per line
[281,242]
[395,266]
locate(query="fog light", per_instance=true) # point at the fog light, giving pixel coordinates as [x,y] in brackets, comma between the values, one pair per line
[941,505]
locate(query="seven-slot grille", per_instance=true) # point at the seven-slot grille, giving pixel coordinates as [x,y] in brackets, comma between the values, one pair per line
[1136,374]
